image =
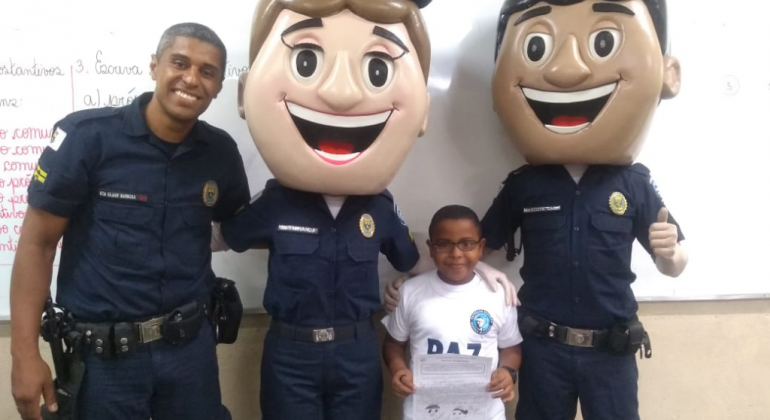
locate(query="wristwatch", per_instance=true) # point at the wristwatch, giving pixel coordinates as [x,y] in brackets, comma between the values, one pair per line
[512,371]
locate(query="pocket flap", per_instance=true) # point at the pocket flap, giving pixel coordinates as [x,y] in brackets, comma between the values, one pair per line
[290,243]
[360,251]
[196,216]
[543,222]
[609,223]
[130,215]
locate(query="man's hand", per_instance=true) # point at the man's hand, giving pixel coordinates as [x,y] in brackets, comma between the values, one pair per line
[31,377]
[403,383]
[502,382]
[663,236]
[391,293]
[493,277]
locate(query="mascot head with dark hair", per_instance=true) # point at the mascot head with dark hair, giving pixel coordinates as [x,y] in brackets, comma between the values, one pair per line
[579,81]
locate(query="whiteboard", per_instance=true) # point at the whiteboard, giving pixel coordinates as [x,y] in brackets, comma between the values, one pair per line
[706,149]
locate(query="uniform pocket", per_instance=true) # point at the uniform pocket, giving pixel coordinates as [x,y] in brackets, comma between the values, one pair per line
[545,241]
[298,265]
[611,240]
[123,233]
[361,276]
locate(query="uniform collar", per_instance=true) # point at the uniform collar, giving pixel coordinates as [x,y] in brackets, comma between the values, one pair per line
[351,206]
[134,123]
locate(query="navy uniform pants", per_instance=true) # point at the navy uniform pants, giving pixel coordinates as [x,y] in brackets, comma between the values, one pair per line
[158,381]
[336,380]
[554,376]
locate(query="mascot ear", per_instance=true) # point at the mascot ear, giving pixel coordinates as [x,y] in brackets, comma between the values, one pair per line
[421,3]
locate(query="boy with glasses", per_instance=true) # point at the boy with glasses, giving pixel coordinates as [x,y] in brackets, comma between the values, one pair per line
[451,310]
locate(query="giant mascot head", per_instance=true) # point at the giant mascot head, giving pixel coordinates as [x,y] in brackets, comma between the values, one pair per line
[578,81]
[336,93]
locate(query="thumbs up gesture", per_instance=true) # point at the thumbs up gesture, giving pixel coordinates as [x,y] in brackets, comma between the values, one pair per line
[663,236]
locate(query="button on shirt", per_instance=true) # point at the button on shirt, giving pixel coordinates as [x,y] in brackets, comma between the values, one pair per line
[322,270]
[577,238]
[138,241]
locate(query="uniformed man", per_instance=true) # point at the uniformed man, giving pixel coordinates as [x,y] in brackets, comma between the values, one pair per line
[133,192]
[335,97]
[576,85]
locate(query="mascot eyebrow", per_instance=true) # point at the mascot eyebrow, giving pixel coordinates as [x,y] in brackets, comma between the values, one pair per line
[318,23]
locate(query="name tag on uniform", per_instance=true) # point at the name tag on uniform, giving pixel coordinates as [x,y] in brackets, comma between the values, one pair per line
[541,209]
[120,195]
[298,229]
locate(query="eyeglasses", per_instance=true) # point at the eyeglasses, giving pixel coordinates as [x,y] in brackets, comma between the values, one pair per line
[446,246]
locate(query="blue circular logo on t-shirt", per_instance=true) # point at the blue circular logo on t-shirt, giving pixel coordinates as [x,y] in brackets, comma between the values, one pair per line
[481,321]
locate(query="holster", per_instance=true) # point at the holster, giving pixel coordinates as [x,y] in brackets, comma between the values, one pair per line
[184,323]
[57,330]
[227,311]
[629,337]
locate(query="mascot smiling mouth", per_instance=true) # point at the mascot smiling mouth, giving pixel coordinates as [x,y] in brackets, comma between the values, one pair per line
[337,139]
[568,112]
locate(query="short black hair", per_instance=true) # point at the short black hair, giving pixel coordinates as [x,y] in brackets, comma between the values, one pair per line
[192,30]
[453,212]
[656,8]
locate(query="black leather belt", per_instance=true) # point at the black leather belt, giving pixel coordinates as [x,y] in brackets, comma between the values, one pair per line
[540,327]
[115,338]
[320,335]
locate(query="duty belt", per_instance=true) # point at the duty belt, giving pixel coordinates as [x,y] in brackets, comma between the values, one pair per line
[540,327]
[118,338]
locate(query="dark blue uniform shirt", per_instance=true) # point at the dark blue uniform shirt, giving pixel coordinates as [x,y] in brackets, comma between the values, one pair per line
[138,241]
[577,238]
[322,271]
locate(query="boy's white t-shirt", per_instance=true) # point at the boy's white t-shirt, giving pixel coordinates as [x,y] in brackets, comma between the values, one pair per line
[439,318]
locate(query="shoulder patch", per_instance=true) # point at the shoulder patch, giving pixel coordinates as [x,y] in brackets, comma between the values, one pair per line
[398,213]
[57,138]
[655,187]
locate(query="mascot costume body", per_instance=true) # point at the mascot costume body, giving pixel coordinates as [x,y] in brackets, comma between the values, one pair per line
[334,99]
[576,84]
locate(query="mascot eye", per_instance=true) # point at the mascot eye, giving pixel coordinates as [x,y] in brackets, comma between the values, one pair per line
[604,44]
[306,62]
[538,47]
[377,69]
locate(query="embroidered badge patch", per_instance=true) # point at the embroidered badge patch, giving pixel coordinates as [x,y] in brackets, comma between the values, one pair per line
[366,224]
[39,175]
[618,203]
[210,193]
[56,138]
[398,213]
[481,321]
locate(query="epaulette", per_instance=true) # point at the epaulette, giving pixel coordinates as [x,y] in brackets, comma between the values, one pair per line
[78,117]
[216,130]
[517,171]
[385,193]
[639,168]
[272,183]
[521,169]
